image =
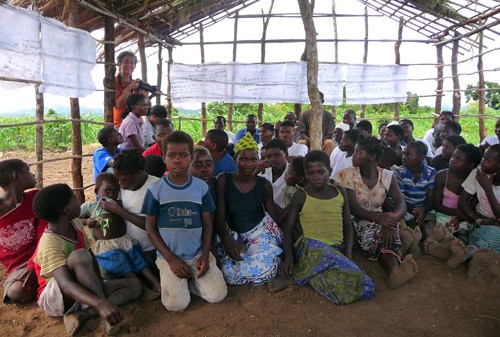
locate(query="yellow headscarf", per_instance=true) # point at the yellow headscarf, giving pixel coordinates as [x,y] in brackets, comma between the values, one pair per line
[247,142]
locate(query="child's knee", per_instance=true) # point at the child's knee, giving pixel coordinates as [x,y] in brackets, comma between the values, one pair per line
[80,257]
[216,295]
[177,302]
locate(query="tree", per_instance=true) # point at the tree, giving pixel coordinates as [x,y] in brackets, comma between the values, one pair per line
[491,96]
[411,102]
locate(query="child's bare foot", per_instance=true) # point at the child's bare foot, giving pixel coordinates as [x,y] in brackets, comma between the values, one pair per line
[406,237]
[414,247]
[73,322]
[458,254]
[404,273]
[437,234]
[277,284]
[149,295]
[436,249]
[111,330]
[482,259]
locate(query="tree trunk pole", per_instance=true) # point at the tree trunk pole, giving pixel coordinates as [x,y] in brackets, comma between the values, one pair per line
[169,83]
[142,56]
[312,74]
[335,48]
[365,56]
[397,46]
[440,81]
[265,23]
[39,137]
[235,45]
[456,81]
[203,104]
[109,68]
[159,68]
[481,100]
[76,129]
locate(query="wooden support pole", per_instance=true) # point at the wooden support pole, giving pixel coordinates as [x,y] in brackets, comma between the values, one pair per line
[397,46]
[39,136]
[142,57]
[203,104]
[481,99]
[316,132]
[440,81]
[159,70]
[76,128]
[109,69]
[265,23]
[335,48]
[362,114]
[456,81]
[169,83]
[230,110]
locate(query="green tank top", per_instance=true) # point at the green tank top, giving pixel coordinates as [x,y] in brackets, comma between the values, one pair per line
[321,219]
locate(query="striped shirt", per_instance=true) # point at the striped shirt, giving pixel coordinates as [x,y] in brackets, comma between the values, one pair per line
[415,192]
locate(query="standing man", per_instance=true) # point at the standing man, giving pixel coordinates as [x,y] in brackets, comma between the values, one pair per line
[349,118]
[251,123]
[220,124]
[328,126]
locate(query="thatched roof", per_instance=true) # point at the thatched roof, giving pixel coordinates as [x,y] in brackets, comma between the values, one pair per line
[171,21]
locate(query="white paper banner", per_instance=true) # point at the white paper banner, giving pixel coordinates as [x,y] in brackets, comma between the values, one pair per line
[374,84]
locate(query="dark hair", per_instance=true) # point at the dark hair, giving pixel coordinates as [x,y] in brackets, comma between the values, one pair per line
[251,115]
[219,138]
[154,165]
[321,97]
[221,117]
[472,153]
[123,54]
[372,145]
[454,126]
[381,125]
[105,176]
[158,110]
[287,123]
[365,125]
[407,121]
[129,161]
[268,126]
[277,143]
[397,129]
[353,135]
[317,155]
[389,155]
[350,112]
[419,147]
[162,122]
[104,134]
[7,167]
[495,148]
[449,113]
[297,165]
[455,140]
[132,100]
[180,137]
[49,203]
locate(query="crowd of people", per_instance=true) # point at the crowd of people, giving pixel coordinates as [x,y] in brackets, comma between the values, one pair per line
[174,218]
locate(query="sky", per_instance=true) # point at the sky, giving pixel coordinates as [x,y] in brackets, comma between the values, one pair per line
[280,28]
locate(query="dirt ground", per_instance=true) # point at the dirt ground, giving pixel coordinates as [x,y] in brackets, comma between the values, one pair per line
[438,302]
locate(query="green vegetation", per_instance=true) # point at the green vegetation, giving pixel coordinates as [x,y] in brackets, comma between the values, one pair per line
[491,96]
[57,136]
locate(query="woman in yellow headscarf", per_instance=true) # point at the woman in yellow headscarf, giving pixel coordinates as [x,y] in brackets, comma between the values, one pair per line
[248,237]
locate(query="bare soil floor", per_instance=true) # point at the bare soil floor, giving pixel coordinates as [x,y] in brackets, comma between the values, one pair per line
[438,302]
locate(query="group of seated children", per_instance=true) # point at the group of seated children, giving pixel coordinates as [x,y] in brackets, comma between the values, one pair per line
[207,219]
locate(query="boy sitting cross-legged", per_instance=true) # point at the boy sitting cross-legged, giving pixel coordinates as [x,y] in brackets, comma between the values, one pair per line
[69,278]
[178,223]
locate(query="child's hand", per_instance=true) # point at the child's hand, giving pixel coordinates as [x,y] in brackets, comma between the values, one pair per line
[180,268]
[109,312]
[419,214]
[232,248]
[483,179]
[388,236]
[202,265]
[91,223]
[388,220]
[453,223]
[286,268]
[28,278]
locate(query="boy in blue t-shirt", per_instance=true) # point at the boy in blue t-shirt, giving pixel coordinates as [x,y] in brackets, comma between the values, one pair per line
[178,224]
[416,182]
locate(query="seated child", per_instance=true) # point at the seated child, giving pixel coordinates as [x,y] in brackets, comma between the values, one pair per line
[448,185]
[162,128]
[70,281]
[116,252]
[448,128]
[441,161]
[344,158]
[154,165]
[104,157]
[20,230]
[249,238]
[277,163]
[393,136]
[216,142]
[491,140]
[202,167]
[416,182]
[322,212]
[178,223]
[295,178]
[388,159]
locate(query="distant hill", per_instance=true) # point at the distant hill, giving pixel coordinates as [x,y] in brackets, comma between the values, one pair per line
[60,110]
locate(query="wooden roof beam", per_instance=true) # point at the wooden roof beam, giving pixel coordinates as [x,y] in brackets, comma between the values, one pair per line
[472,32]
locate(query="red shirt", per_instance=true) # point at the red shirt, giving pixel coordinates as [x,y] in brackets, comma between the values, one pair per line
[153,149]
